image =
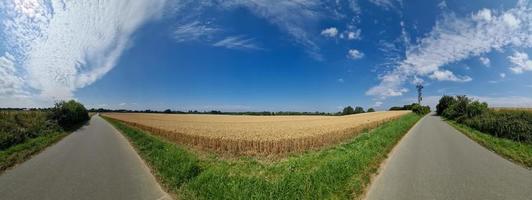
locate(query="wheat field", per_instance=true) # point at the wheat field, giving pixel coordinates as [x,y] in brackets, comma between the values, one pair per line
[255,135]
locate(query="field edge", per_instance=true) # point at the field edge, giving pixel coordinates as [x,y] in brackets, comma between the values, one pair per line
[178,169]
[19,153]
[518,153]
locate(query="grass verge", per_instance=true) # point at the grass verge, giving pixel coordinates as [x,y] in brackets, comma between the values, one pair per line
[520,153]
[21,152]
[339,172]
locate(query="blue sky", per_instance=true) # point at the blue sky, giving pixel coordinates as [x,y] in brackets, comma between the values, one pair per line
[255,55]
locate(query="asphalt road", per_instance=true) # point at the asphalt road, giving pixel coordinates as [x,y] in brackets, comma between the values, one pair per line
[95,162]
[435,161]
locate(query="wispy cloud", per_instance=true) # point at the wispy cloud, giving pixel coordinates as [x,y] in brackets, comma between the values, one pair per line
[521,62]
[237,42]
[454,39]
[377,104]
[446,75]
[295,17]
[60,47]
[195,30]
[386,4]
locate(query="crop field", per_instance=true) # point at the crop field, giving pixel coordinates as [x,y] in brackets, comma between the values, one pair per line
[255,135]
[512,109]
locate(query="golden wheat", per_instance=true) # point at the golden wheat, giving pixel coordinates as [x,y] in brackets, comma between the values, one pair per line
[251,135]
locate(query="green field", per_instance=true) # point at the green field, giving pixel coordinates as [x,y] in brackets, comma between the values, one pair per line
[339,172]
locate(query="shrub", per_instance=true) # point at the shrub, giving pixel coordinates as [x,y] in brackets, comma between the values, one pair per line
[514,125]
[444,103]
[69,113]
[371,110]
[18,126]
[419,109]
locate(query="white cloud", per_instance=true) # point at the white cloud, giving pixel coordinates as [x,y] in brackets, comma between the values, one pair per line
[63,46]
[10,83]
[237,42]
[330,32]
[354,54]
[502,75]
[122,104]
[194,31]
[482,15]
[453,39]
[521,62]
[510,20]
[446,75]
[485,61]
[340,80]
[377,104]
[353,35]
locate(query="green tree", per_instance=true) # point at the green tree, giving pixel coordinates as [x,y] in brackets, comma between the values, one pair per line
[371,110]
[69,113]
[359,109]
[444,103]
[348,110]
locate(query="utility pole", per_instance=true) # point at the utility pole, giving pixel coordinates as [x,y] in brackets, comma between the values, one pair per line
[419,97]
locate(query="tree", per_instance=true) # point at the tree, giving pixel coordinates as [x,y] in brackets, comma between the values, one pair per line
[69,113]
[371,110]
[348,110]
[167,111]
[444,103]
[359,109]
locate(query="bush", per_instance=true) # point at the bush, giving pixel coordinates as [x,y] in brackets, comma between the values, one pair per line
[359,109]
[69,114]
[419,109]
[444,103]
[18,126]
[514,125]
[371,110]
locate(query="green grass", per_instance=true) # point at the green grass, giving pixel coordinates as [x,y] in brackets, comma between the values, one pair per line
[21,152]
[339,172]
[520,153]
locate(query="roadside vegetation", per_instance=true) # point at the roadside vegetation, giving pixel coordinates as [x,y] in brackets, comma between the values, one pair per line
[414,107]
[338,172]
[507,132]
[26,132]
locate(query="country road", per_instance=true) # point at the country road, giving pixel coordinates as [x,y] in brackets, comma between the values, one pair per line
[95,162]
[435,161]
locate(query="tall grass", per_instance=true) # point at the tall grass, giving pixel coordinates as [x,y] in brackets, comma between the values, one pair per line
[19,126]
[339,172]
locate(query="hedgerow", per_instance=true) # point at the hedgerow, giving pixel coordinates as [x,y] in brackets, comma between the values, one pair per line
[514,125]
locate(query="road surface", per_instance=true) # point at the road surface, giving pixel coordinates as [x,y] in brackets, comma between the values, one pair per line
[435,161]
[95,162]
